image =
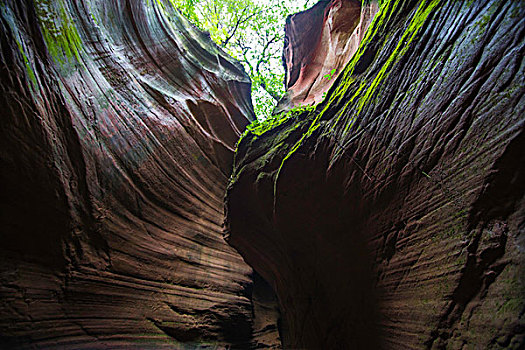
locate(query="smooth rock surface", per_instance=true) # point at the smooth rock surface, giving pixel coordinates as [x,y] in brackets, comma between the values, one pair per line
[318,44]
[119,121]
[393,214]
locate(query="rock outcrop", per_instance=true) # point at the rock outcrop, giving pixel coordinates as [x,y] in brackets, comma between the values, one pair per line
[119,121]
[318,44]
[392,214]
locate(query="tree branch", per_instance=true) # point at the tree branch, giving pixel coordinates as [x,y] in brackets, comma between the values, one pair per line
[270,92]
[240,21]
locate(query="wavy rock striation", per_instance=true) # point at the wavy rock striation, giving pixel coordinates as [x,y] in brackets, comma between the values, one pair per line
[393,214]
[119,121]
[318,44]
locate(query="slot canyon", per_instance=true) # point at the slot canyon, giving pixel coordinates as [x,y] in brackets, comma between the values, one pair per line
[381,207]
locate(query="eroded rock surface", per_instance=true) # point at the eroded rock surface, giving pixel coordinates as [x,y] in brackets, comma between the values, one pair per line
[392,215]
[119,121]
[318,44]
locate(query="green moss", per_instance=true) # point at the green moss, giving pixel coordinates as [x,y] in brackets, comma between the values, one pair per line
[421,15]
[153,337]
[346,92]
[18,34]
[484,20]
[313,126]
[347,77]
[161,4]
[60,34]
[29,69]
[346,82]
[258,127]
[515,13]
[94,19]
[514,305]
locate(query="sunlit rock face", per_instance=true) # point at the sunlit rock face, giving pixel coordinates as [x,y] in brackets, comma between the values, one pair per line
[319,42]
[119,121]
[393,214]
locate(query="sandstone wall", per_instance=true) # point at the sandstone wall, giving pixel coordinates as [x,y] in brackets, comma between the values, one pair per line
[119,121]
[392,214]
[318,44]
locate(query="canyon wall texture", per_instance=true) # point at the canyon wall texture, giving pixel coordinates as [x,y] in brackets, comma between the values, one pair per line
[318,44]
[119,122]
[392,214]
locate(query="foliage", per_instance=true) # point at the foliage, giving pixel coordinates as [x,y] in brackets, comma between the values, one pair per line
[330,75]
[259,127]
[252,31]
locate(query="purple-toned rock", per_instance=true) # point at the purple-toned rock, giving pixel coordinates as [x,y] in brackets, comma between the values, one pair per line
[119,122]
[392,215]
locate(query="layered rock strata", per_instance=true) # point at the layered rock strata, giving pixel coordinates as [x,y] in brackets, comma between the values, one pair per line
[318,44]
[119,121]
[392,215]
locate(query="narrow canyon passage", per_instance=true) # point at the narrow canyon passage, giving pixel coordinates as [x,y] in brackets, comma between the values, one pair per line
[381,207]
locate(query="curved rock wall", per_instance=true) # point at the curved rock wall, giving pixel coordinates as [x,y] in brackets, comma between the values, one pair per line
[318,44]
[119,121]
[392,215]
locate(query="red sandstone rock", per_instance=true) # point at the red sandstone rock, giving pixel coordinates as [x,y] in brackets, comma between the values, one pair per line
[319,42]
[392,216]
[119,122]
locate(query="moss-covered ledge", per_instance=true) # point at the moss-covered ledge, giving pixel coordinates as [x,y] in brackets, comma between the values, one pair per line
[393,209]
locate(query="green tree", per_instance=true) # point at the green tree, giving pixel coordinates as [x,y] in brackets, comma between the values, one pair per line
[251,31]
